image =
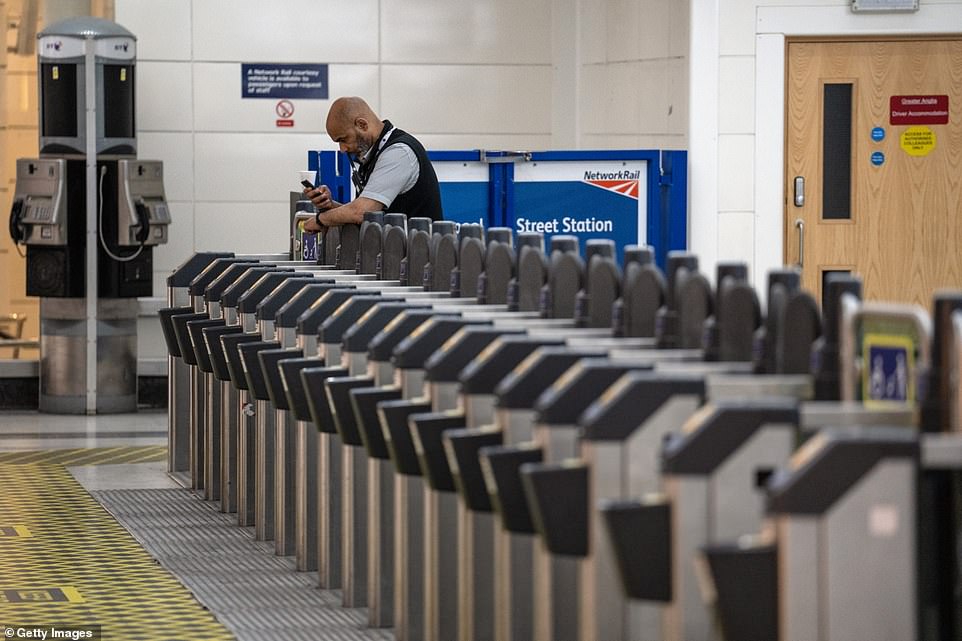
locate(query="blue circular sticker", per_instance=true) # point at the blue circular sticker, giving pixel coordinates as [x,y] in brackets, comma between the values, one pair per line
[878,134]
[877,158]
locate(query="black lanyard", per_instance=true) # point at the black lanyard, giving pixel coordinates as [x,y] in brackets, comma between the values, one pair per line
[361,172]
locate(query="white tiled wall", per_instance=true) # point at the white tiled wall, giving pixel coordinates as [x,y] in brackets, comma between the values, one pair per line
[176,149]
[633,73]
[250,167]
[292,31]
[469,98]
[458,75]
[263,227]
[164,96]
[162,27]
[488,33]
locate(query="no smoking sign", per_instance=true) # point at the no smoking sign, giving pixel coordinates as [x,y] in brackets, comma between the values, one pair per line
[284,110]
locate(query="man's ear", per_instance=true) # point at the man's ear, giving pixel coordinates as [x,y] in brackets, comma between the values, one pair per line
[361,124]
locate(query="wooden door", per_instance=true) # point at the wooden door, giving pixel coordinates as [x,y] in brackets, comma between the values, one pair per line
[874,140]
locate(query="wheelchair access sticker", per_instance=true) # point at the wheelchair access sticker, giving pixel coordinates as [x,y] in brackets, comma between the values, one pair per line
[888,371]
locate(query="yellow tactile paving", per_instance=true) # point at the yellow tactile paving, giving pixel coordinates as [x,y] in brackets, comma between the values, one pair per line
[89,456]
[66,562]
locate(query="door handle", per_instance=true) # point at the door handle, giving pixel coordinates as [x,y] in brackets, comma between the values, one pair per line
[800,226]
[799,191]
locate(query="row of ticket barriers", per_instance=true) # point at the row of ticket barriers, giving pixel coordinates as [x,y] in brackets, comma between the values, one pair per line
[479,436]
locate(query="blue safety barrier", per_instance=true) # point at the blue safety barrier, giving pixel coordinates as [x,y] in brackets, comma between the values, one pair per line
[630,196]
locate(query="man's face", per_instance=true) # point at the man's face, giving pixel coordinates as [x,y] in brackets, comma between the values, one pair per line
[352,138]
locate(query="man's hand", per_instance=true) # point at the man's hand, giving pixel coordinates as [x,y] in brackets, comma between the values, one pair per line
[321,197]
[311,226]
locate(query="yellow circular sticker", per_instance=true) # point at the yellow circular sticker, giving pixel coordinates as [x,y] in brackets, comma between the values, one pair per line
[918,141]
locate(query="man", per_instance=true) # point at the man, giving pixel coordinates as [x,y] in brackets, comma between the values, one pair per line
[390,169]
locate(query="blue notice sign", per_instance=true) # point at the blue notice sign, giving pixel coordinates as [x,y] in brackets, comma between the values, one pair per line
[589,199]
[888,370]
[878,134]
[877,158]
[270,80]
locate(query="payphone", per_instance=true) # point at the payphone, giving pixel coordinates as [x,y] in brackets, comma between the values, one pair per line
[88,147]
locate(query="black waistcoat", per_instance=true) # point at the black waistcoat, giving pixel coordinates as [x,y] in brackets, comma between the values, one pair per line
[424,199]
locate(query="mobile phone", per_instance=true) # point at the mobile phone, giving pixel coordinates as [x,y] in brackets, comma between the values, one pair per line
[307,183]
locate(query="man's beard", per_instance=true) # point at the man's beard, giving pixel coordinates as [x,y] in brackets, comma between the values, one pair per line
[363,147]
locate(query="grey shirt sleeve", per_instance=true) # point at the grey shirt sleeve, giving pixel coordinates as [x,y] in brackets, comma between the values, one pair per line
[396,172]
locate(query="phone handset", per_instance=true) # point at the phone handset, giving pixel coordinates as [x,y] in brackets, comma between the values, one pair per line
[143,217]
[17,232]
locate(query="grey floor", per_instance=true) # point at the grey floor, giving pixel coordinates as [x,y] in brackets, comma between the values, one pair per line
[253,592]
[33,431]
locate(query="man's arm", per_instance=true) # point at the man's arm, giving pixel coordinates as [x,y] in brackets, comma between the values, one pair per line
[352,212]
[396,172]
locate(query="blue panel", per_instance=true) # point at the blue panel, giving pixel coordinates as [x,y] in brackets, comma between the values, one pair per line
[500,178]
[667,204]
[465,202]
[888,374]
[454,156]
[676,163]
[576,208]
[334,170]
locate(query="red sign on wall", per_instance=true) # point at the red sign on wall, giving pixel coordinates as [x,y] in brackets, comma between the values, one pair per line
[919,110]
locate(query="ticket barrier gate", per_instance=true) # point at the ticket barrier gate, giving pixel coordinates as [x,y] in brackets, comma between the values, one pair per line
[411,356]
[250,304]
[302,312]
[208,288]
[870,572]
[197,389]
[514,551]
[575,573]
[401,291]
[180,301]
[445,464]
[199,455]
[469,556]
[557,575]
[210,313]
[273,450]
[450,454]
[877,524]
[514,543]
[354,324]
[238,435]
[685,618]
[242,297]
[232,415]
[200,408]
[711,488]
[441,606]
[605,614]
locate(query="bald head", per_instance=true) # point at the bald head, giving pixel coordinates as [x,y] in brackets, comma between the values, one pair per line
[344,111]
[353,124]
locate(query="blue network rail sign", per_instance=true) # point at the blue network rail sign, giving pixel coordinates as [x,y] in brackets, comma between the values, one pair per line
[596,199]
[271,80]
